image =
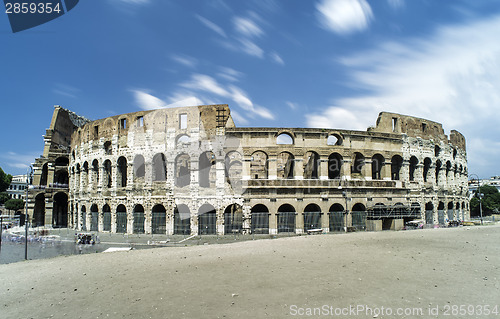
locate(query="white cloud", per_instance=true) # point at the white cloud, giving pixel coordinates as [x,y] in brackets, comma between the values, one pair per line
[247,27]
[292,105]
[249,47]
[18,162]
[147,101]
[212,26]
[344,16]
[238,118]
[230,74]
[184,60]
[451,77]
[396,4]
[65,90]
[276,58]
[207,84]
[184,99]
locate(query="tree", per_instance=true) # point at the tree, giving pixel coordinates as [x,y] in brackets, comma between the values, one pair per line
[3,197]
[5,180]
[490,201]
[14,204]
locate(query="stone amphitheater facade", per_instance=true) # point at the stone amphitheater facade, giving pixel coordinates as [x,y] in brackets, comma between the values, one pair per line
[190,171]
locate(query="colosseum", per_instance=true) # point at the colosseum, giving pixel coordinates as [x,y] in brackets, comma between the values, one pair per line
[191,171]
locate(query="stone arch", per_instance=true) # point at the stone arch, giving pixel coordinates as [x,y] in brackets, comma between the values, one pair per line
[39,212]
[429,213]
[107,174]
[61,161]
[233,167]
[358,215]
[95,172]
[336,218]
[334,166]
[396,165]
[233,219]
[61,178]
[121,219]
[159,167]
[45,172]
[427,167]
[159,219]
[83,218]
[207,220]
[259,165]
[312,217]
[121,175]
[285,165]
[182,139]
[182,220]
[437,170]
[182,170]
[450,211]
[311,169]
[334,139]
[441,213]
[378,162]
[413,167]
[285,138]
[259,219]
[138,215]
[106,218]
[286,219]
[94,218]
[139,166]
[207,170]
[357,164]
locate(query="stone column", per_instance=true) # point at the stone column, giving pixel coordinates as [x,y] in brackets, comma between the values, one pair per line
[323,169]
[273,167]
[298,168]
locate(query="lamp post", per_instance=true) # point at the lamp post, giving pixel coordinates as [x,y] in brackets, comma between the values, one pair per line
[29,173]
[344,193]
[479,195]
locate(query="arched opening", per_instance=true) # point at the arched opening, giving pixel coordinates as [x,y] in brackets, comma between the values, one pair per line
[438,170]
[413,167]
[427,167]
[207,171]
[121,219]
[182,140]
[233,219]
[61,178]
[437,150]
[95,172]
[378,163]
[336,220]
[450,212]
[159,220]
[429,213]
[139,166]
[284,138]
[233,168]
[334,165]
[357,165]
[61,161]
[285,165]
[260,219]
[121,175]
[463,211]
[182,170]
[107,148]
[85,175]
[159,168]
[312,217]
[359,216]
[311,169]
[441,213]
[60,210]
[107,174]
[94,218]
[207,220]
[83,218]
[259,165]
[106,218]
[334,139]
[182,220]
[286,219]
[39,213]
[138,219]
[448,169]
[45,172]
[396,165]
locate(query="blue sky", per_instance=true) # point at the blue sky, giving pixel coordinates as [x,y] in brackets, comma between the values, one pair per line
[289,63]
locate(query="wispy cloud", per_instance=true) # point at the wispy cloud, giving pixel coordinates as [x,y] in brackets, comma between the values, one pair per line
[205,84]
[65,90]
[17,161]
[247,27]
[450,76]
[147,101]
[185,60]
[396,4]
[230,74]
[276,58]
[344,16]
[212,26]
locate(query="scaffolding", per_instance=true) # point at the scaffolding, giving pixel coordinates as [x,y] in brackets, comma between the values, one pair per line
[397,211]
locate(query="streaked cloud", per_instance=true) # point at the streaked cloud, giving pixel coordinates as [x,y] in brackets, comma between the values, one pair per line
[185,60]
[212,26]
[396,4]
[344,16]
[230,74]
[17,161]
[147,101]
[65,90]
[247,27]
[276,58]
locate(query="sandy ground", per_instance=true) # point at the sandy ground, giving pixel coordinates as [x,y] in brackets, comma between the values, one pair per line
[281,278]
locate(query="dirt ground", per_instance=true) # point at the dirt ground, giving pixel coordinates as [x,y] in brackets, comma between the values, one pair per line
[434,273]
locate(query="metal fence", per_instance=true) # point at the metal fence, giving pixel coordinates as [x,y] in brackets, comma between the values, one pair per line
[359,220]
[286,222]
[336,221]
